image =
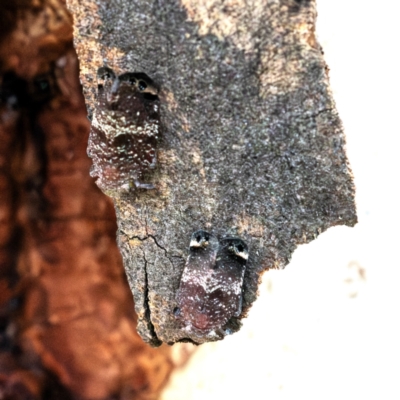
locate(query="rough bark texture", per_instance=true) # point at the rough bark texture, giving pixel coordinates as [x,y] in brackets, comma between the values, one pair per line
[252,143]
[67,321]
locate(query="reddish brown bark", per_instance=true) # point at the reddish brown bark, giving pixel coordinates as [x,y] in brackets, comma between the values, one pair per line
[67,322]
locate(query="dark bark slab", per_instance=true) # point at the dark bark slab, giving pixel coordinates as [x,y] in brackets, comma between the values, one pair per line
[252,143]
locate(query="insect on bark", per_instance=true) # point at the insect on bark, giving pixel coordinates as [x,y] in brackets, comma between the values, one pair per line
[210,291]
[125,130]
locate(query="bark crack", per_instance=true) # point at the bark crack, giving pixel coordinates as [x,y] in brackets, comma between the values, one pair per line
[156,341]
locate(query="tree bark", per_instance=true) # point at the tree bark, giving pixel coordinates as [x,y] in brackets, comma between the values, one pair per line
[252,143]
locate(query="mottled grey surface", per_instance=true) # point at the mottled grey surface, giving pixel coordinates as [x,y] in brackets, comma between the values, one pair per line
[252,145]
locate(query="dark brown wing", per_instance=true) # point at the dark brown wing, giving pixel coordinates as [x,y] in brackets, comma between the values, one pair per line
[192,293]
[224,286]
[191,297]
